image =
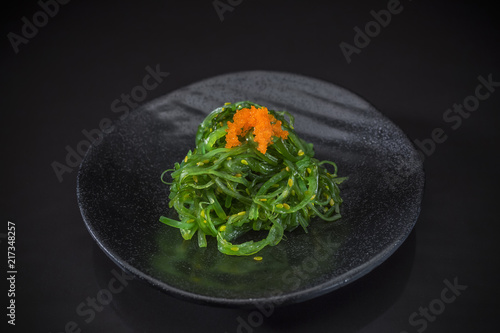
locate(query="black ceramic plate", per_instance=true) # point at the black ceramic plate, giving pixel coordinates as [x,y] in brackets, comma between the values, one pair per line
[121,196]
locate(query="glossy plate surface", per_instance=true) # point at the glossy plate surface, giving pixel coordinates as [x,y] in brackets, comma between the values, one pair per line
[121,196]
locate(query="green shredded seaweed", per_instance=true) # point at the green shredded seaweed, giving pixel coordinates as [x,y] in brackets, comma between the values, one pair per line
[227,192]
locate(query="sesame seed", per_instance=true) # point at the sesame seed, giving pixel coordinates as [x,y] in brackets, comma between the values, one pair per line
[279,206]
[332,202]
[300,153]
[244,162]
[264,199]
[314,196]
[242,213]
[290,182]
[200,163]
[258,258]
[287,206]
[185,159]
[235,248]
[222,228]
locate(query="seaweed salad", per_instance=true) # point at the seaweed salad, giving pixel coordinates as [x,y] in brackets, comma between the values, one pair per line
[250,172]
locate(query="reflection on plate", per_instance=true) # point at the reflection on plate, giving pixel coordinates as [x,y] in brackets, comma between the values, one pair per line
[121,196]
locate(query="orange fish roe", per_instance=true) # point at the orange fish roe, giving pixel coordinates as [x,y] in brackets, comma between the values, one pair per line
[264,125]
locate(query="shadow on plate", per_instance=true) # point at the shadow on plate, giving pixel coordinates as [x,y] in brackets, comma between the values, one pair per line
[350,308]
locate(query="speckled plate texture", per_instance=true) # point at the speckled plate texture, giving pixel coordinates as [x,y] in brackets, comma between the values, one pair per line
[121,196]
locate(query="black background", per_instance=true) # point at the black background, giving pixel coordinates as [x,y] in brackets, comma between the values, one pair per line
[428,58]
